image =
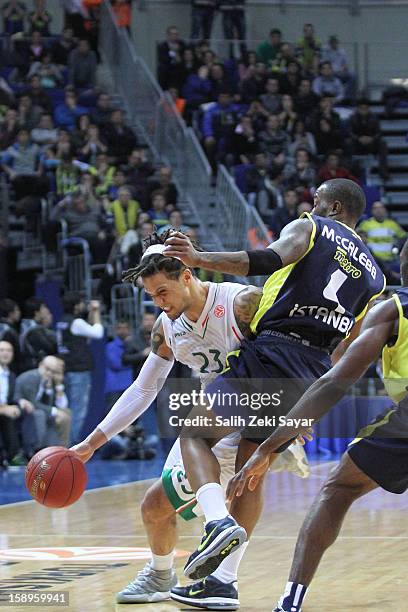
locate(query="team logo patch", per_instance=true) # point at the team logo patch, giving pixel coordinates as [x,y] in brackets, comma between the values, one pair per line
[80,553]
[219,311]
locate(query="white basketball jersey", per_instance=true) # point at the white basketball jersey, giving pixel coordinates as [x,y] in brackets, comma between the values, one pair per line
[203,345]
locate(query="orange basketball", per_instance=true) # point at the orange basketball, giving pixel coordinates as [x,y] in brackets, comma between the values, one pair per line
[56,477]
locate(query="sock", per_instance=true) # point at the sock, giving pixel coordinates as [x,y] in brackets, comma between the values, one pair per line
[211,499]
[228,570]
[162,562]
[293,596]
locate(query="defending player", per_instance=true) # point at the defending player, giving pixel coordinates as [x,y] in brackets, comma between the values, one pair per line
[200,324]
[377,458]
[322,280]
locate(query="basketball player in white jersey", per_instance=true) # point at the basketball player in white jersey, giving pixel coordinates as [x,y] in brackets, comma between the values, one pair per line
[200,324]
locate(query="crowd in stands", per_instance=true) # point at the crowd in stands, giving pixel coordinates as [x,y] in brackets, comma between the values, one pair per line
[283,117]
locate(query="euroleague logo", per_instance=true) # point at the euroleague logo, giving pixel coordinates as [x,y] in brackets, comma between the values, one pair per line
[80,553]
[219,311]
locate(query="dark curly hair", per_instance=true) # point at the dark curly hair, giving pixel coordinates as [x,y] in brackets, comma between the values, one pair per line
[170,266]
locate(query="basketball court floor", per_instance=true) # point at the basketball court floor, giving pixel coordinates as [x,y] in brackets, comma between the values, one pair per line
[95,547]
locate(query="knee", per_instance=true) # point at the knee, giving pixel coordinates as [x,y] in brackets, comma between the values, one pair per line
[337,488]
[155,506]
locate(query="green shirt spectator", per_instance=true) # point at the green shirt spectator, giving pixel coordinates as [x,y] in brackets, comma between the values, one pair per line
[308,49]
[268,50]
[382,233]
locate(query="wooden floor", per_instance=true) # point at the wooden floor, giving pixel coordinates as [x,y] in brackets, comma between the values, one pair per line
[365,570]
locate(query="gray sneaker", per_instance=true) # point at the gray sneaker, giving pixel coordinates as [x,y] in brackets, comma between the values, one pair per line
[149,586]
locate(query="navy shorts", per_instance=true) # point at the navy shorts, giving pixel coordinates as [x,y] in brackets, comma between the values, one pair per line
[275,366]
[383,456]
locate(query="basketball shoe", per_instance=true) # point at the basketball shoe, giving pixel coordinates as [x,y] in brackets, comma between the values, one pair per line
[208,594]
[149,586]
[221,538]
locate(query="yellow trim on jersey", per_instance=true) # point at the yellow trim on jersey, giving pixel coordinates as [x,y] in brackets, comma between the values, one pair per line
[395,359]
[374,297]
[349,228]
[367,432]
[231,354]
[276,281]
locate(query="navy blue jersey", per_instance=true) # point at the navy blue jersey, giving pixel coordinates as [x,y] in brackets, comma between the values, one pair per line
[320,296]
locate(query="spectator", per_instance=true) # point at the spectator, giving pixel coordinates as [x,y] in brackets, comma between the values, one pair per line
[63,47]
[332,169]
[308,50]
[366,138]
[48,73]
[218,126]
[268,51]
[119,137]
[86,223]
[118,181]
[8,129]
[272,99]
[263,185]
[391,272]
[246,65]
[285,56]
[118,376]
[274,140]
[303,173]
[45,133]
[80,134]
[338,59]
[326,84]
[74,333]
[40,19]
[254,86]
[169,59]
[28,115]
[302,139]
[244,143]
[34,50]
[158,213]
[165,184]
[233,23]
[74,15]
[305,99]
[138,347]
[197,89]
[94,145]
[175,222]
[13,17]
[325,111]
[36,339]
[66,176]
[125,212]
[283,216]
[20,162]
[202,15]
[122,9]
[179,103]
[258,114]
[38,95]
[66,114]
[290,80]
[12,417]
[219,80]
[383,233]
[105,173]
[10,315]
[328,137]
[101,114]
[82,64]
[288,115]
[41,392]
[190,65]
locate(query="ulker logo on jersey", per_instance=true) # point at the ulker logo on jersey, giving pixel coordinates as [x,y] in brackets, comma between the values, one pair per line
[219,311]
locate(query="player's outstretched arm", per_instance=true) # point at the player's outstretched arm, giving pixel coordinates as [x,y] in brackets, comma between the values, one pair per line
[379,326]
[246,303]
[293,243]
[136,399]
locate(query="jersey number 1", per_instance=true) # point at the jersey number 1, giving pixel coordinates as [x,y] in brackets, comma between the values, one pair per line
[337,279]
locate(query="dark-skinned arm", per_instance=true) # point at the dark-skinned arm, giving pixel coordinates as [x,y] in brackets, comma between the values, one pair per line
[404,264]
[379,326]
[292,244]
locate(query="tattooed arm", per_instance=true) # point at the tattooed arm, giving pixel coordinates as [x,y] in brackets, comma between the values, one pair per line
[246,304]
[158,342]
